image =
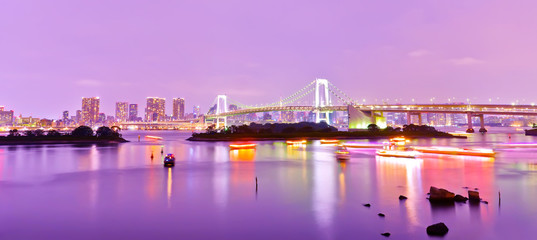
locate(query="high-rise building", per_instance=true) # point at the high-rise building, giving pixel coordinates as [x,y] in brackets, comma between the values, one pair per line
[122,111]
[287,116]
[133,112]
[90,110]
[65,115]
[1,108]
[178,108]
[78,117]
[196,111]
[101,118]
[155,109]
[6,117]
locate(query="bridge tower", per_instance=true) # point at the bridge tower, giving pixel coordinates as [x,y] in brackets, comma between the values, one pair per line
[221,107]
[322,99]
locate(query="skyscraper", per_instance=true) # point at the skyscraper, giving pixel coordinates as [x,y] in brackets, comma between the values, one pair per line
[178,108]
[65,115]
[78,117]
[6,118]
[133,112]
[122,109]
[90,110]
[196,111]
[155,109]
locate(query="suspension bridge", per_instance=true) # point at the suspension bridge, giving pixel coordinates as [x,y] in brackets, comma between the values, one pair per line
[322,98]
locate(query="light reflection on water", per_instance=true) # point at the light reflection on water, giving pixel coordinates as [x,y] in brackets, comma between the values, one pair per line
[117,190]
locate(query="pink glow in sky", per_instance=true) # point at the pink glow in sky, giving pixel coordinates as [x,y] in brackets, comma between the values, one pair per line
[52,53]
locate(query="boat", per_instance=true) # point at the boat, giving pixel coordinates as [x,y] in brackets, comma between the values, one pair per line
[393,149]
[342,153]
[296,142]
[397,153]
[242,146]
[399,141]
[169,160]
[153,137]
[480,152]
[329,141]
[362,145]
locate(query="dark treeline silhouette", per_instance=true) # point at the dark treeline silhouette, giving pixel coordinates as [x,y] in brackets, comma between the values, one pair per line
[310,130]
[81,133]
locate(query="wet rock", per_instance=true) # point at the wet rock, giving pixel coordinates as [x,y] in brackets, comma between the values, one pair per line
[401,197]
[485,202]
[386,234]
[367,205]
[476,189]
[473,196]
[460,198]
[439,229]
[381,215]
[465,187]
[440,195]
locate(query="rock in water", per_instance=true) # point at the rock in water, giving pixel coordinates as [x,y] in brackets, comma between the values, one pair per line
[473,196]
[459,198]
[381,215]
[386,234]
[401,197]
[367,205]
[441,195]
[439,229]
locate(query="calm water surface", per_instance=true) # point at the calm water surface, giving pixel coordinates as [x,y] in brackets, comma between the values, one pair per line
[118,192]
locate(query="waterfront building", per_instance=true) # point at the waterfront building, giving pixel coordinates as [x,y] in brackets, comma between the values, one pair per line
[101,118]
[178,108]
[196,111]
[133,112]
[288,116]
[122,111]
[78,117]
[6,118]
[90,110]
[155,109]
[65,115]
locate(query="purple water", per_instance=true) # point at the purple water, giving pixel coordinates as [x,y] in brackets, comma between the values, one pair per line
[118,192]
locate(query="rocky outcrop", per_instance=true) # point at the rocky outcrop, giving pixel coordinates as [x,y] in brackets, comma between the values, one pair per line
[439,229]
[473,196]
[440,195]
[460,198]
[401,197]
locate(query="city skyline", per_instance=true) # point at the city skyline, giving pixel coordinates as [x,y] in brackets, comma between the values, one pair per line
[259,52]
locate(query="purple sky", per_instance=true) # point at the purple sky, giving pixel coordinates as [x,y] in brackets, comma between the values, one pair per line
[54,52]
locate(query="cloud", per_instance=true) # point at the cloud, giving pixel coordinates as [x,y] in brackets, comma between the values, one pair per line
[466,61]
[419,53]
[88,83]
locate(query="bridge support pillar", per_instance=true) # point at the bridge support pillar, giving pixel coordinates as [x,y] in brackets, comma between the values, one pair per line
[470,125]
[482,122]
[419,119]
[408,118]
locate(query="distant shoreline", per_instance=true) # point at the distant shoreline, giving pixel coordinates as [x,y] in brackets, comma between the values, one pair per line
[308,136]
[23,140]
